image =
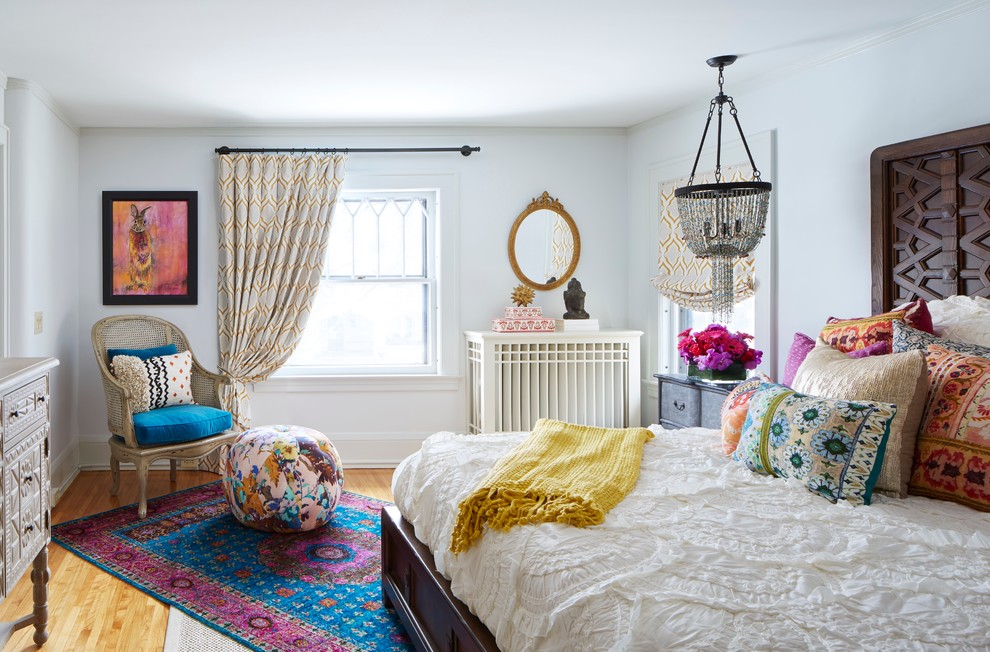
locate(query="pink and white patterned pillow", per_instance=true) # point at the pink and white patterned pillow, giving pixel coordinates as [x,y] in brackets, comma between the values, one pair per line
[156,382]
[952,456]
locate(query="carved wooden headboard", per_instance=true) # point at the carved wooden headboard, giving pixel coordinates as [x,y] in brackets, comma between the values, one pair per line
[931,218]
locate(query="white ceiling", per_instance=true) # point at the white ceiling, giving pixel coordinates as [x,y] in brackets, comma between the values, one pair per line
[539,63]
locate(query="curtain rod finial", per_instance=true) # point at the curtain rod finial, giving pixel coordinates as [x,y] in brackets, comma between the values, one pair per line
[222,151]
[466,150]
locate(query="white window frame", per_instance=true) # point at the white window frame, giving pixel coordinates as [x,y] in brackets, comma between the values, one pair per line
[665,317]
[442,266]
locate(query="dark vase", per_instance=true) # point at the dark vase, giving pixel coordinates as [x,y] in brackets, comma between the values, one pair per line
[735,371]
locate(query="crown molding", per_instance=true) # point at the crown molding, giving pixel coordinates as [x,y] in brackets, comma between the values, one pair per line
[16,84]
[907,28]
[343,131]
[3,81]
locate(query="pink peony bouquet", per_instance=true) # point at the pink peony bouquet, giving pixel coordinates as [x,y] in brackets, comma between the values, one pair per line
[716,348]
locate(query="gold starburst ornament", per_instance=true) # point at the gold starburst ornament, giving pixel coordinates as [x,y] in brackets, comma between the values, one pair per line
[523,295]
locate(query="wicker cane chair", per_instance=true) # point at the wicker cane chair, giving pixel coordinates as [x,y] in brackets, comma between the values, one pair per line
[142,332]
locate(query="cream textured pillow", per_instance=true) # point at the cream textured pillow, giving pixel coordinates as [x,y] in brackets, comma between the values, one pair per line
[156,382]
[898,378]
[130,373]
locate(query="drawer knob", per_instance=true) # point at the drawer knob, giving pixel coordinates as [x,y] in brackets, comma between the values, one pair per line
[679,406]
[16,413]
[42,398]
[28,478]
[29,528]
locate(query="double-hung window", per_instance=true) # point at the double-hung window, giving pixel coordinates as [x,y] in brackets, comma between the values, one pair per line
[675,319]
[376,311]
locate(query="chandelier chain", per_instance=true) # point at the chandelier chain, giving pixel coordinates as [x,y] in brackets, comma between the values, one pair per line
[723,221]
[708,122]
[735,116]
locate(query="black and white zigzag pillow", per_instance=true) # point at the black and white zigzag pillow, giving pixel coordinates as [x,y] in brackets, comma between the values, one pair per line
[156,382]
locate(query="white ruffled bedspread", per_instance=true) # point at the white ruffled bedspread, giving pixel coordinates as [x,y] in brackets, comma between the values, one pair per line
[703,554]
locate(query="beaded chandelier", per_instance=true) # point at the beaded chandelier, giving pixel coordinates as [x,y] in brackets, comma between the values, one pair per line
[723,221]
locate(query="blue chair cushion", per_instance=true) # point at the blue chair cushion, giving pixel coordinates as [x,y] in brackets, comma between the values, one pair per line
[179,423]
[144,354]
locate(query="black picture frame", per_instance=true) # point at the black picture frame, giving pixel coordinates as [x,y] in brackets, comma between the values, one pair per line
[150,247]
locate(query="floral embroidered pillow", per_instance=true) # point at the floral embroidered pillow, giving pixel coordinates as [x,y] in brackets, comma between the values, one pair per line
[833,447]
[156,382]
[734,410]
[952,456]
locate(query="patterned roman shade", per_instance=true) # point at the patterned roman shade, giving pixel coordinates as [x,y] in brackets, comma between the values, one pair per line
[681,277]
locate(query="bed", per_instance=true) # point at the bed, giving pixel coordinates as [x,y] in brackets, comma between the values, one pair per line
[704,554]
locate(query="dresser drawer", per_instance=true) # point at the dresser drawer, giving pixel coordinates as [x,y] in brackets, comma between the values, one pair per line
[25,492]
[24,408]
[711,408]
[679,404]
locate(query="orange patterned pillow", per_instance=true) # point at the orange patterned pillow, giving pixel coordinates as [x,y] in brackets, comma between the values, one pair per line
[849,335]
[734,410]
[852,334]
[952,456]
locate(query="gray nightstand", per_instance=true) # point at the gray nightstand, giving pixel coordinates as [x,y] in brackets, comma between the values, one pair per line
[688,403]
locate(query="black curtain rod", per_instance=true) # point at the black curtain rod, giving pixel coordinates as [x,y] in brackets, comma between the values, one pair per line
[223,151]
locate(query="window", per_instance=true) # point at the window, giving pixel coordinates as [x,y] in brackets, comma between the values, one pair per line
[677,319]
[376,310]
[756,315]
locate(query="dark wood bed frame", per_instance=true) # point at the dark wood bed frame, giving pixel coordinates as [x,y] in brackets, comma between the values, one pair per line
[434,619]
[930,239]
[931,224]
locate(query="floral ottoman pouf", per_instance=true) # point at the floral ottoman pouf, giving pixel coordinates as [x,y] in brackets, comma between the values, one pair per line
[283,478]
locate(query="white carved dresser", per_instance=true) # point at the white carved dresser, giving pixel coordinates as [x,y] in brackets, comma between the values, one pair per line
[26,488]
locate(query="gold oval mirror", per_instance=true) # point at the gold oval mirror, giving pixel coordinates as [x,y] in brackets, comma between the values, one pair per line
[544,244]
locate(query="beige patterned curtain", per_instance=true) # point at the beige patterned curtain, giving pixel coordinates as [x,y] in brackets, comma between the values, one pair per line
[274,223]
[681,277]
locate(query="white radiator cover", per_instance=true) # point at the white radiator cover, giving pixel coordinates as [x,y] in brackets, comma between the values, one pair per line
[585,377]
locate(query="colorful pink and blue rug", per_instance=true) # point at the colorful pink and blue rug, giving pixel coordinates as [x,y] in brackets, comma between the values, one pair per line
[271,592]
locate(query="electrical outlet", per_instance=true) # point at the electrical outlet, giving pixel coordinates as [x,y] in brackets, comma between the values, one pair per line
[39,322]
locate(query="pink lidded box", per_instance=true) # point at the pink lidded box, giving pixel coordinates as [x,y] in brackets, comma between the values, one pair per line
[523,325]
[523,312]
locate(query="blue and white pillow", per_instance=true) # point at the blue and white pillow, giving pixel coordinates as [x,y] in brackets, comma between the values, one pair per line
[909,339]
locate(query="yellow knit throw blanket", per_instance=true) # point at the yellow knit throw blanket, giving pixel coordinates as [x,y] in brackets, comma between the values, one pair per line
[562,473]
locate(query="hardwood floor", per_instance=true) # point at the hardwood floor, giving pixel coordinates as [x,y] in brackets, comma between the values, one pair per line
[90,609]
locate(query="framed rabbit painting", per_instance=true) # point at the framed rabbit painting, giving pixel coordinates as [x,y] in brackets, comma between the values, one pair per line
[149,247]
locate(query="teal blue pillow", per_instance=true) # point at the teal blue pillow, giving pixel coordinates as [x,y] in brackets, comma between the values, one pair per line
[834,447]
[144,354]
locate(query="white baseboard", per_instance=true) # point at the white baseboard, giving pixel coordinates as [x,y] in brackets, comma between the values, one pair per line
[64,470]
[357,450]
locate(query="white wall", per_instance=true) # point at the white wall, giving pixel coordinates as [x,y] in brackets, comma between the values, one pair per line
[828,120]
[44,237]
[379,422]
